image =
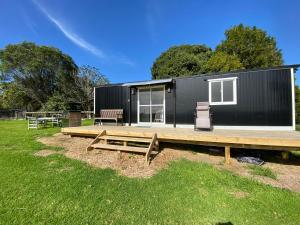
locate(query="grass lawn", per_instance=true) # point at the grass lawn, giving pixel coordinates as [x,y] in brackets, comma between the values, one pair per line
[298,127]
[262,171]
[87,122]
[57,190]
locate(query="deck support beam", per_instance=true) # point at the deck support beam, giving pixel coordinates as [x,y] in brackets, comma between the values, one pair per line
[227,155]
[150,148]
[285,155]
[95,140]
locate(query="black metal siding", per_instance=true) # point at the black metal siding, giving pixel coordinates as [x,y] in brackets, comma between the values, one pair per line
[169,104]
[263,99]
[112,97]
[134,110]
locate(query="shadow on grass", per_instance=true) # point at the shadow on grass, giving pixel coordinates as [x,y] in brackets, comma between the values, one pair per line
[226,223]
[266,155]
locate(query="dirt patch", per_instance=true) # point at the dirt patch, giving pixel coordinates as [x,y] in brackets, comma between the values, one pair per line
[45,152]
[133,165]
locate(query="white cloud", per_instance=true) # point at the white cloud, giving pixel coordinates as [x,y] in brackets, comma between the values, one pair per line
[71,35]
[76,39]
[153,14]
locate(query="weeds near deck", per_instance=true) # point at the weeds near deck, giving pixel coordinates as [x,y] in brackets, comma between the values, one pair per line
[262,171]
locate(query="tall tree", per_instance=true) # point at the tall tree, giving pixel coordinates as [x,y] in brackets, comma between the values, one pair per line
[254,47]
[223,62]
[88,77]
[12,97]
[40,71]
[181,60]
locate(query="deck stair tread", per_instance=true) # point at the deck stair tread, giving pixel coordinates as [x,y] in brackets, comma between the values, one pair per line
[128,139]
[151,145]
[120,148]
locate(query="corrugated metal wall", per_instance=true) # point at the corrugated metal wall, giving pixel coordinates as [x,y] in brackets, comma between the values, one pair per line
[263,99]
[134,110]
[112,97]
[169,102]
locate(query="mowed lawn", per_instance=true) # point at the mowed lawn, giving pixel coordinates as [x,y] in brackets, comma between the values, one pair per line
[57,190]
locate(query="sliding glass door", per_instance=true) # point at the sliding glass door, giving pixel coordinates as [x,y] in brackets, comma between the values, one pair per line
[151,105]
[144,105]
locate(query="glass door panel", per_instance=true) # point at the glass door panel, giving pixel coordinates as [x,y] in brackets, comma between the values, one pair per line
[144,96]
[157,96]
[145,114]
[151,105]
[157,113]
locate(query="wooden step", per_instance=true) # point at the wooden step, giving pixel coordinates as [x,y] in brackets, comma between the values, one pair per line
[95,140]
[128,139]
[120,148]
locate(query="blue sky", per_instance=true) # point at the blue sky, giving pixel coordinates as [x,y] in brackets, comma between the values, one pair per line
[123,38]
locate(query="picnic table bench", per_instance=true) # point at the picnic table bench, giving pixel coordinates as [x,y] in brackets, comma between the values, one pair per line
[110,114]
[34,122]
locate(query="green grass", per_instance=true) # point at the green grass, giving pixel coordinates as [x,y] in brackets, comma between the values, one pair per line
[262,171]
[58,190]
[298,127]
[87,122]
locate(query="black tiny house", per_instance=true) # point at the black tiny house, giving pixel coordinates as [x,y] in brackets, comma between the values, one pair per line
[261,99]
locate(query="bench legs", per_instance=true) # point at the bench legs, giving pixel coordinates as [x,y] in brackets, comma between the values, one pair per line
[100,121]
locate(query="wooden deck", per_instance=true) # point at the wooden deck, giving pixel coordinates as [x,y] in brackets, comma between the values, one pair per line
[267,140]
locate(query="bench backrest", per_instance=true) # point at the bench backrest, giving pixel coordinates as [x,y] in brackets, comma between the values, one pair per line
[111,113]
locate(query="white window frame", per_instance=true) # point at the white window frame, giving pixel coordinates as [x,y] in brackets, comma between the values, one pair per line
[234,102]
[164,106]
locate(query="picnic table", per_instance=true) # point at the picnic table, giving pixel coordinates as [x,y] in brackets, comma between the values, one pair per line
[45,118]
[53,120]
[33,122]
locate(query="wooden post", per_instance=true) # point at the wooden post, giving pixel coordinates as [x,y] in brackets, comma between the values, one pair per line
[125,143]
[95,140]
[227,155]
[150,148]
[285,155]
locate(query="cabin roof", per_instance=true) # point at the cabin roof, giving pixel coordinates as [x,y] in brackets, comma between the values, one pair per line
[169,80]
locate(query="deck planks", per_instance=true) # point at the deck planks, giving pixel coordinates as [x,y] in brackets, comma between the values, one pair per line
[120,148]
[269,140]
[127,139]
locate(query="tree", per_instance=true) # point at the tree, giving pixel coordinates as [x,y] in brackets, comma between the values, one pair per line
[222,62]
[39,71]
[13,97]
[181,60]
[56,102]
[253,46]
[88,77]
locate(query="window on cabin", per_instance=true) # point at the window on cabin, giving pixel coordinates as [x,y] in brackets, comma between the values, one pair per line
[222,91]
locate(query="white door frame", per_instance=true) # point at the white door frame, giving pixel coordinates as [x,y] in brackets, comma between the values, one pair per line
[164,106]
